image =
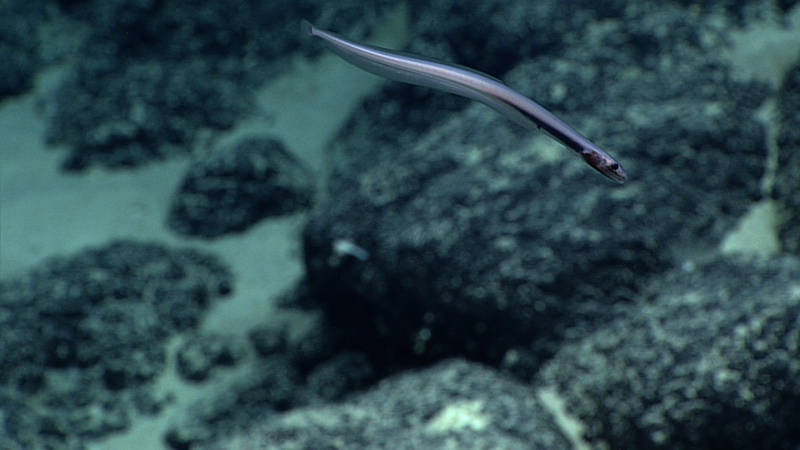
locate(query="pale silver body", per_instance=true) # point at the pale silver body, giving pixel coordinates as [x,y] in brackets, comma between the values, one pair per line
[471,84]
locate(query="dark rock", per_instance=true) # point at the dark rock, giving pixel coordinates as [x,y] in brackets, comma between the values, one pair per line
[451,405]
[154,78]
[320,343]
[126,116]
[19,45]
[478,243]
[239,185]
[201,354]
[83,336]
[342,374]
[148,402]
[710,361]
[787,177]
[272,385]
[786,5]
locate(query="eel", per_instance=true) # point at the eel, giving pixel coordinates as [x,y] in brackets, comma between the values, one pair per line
[460,80]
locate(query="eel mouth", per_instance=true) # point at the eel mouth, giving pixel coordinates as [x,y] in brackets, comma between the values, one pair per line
[605,164]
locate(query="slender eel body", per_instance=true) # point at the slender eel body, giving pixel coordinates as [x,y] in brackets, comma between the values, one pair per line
[472,84]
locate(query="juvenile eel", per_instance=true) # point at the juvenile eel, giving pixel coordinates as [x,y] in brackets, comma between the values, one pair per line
[472,84]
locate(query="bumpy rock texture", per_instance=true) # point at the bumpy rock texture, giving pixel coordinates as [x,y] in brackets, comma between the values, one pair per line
[787,179]
[201,354]
[451,405]
[313,371]
[155,77]
[710,361]
[81,338]
[238,185]
[479,239]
